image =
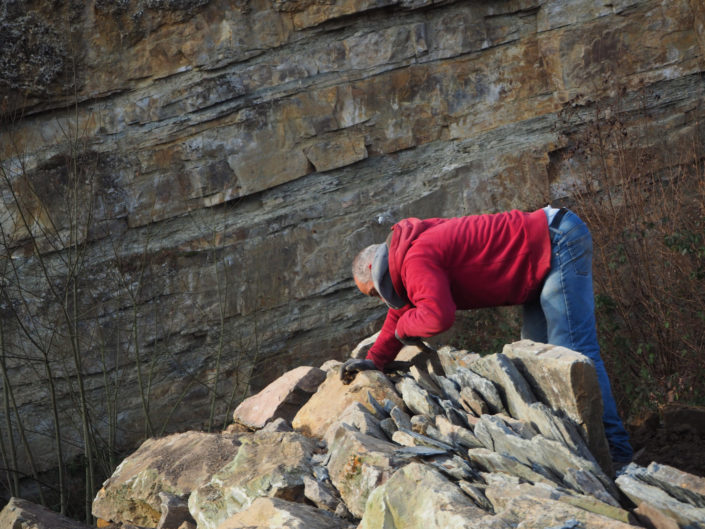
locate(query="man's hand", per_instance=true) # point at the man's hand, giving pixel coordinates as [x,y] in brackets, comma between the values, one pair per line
[352,367]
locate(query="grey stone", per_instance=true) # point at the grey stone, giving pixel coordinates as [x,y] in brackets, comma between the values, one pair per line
[422,451]
[420,423]
[476,494]
[434,433]
[417,399]
[472,402]
[686,514]
[388,426]
[454,467]
[388,405]
[360,417]
[543,503]
[588,483]
[271,464]
[426,381]
[565,380]
[486,436]
[681,485]
[358,464]
[323,495]
[544,453]
[553,425]
[453,414]
[514,390]
[380,412]
[401,418]
[494,462]
[522,428]
[450,389]
[278,425]
[452,358]
[320,472]
[456,435]
[411,438]
[484,387]
[413,492]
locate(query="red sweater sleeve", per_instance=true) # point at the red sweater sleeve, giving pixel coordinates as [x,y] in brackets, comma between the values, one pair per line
[432,308]
[386,346]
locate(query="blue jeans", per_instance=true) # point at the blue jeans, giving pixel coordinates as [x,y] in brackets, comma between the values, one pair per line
[564,314]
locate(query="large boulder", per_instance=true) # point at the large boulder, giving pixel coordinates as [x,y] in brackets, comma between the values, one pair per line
[565,380]
[281,399]
[175,464]
[271,464]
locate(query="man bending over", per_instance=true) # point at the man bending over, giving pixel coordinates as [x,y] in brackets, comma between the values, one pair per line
[428,269]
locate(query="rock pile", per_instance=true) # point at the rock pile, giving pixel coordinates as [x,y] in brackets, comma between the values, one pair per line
[511,440]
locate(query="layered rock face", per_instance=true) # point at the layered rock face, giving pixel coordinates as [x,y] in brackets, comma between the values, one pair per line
[185,182]
[401,450]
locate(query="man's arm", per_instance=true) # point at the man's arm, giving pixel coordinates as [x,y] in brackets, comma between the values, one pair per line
[386,346]
[433,307]
[383,351]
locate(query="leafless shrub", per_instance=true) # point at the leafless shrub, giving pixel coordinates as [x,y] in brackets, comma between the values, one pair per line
[644,202]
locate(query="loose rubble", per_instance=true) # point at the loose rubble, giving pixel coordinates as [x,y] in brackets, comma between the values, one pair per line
[511,440]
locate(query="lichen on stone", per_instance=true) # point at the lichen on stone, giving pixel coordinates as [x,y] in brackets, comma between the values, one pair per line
[32,55]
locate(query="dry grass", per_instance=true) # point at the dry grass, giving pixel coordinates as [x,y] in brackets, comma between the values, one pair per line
[647,218]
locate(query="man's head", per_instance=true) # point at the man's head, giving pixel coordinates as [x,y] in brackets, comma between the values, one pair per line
[362,270]
[371,274]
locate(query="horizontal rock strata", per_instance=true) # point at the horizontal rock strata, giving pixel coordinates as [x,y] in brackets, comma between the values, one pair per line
[217,164]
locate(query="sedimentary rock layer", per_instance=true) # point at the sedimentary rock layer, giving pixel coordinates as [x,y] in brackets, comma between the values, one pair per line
[201,173]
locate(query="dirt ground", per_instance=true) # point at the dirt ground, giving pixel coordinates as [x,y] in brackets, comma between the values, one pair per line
[674,436]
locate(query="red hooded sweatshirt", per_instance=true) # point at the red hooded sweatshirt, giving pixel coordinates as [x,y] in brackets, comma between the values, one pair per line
[441,265]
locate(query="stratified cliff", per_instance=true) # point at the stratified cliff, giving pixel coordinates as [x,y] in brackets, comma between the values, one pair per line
[185,182]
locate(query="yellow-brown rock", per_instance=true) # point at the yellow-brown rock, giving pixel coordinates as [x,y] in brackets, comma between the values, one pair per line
[333,397]
[177,464]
